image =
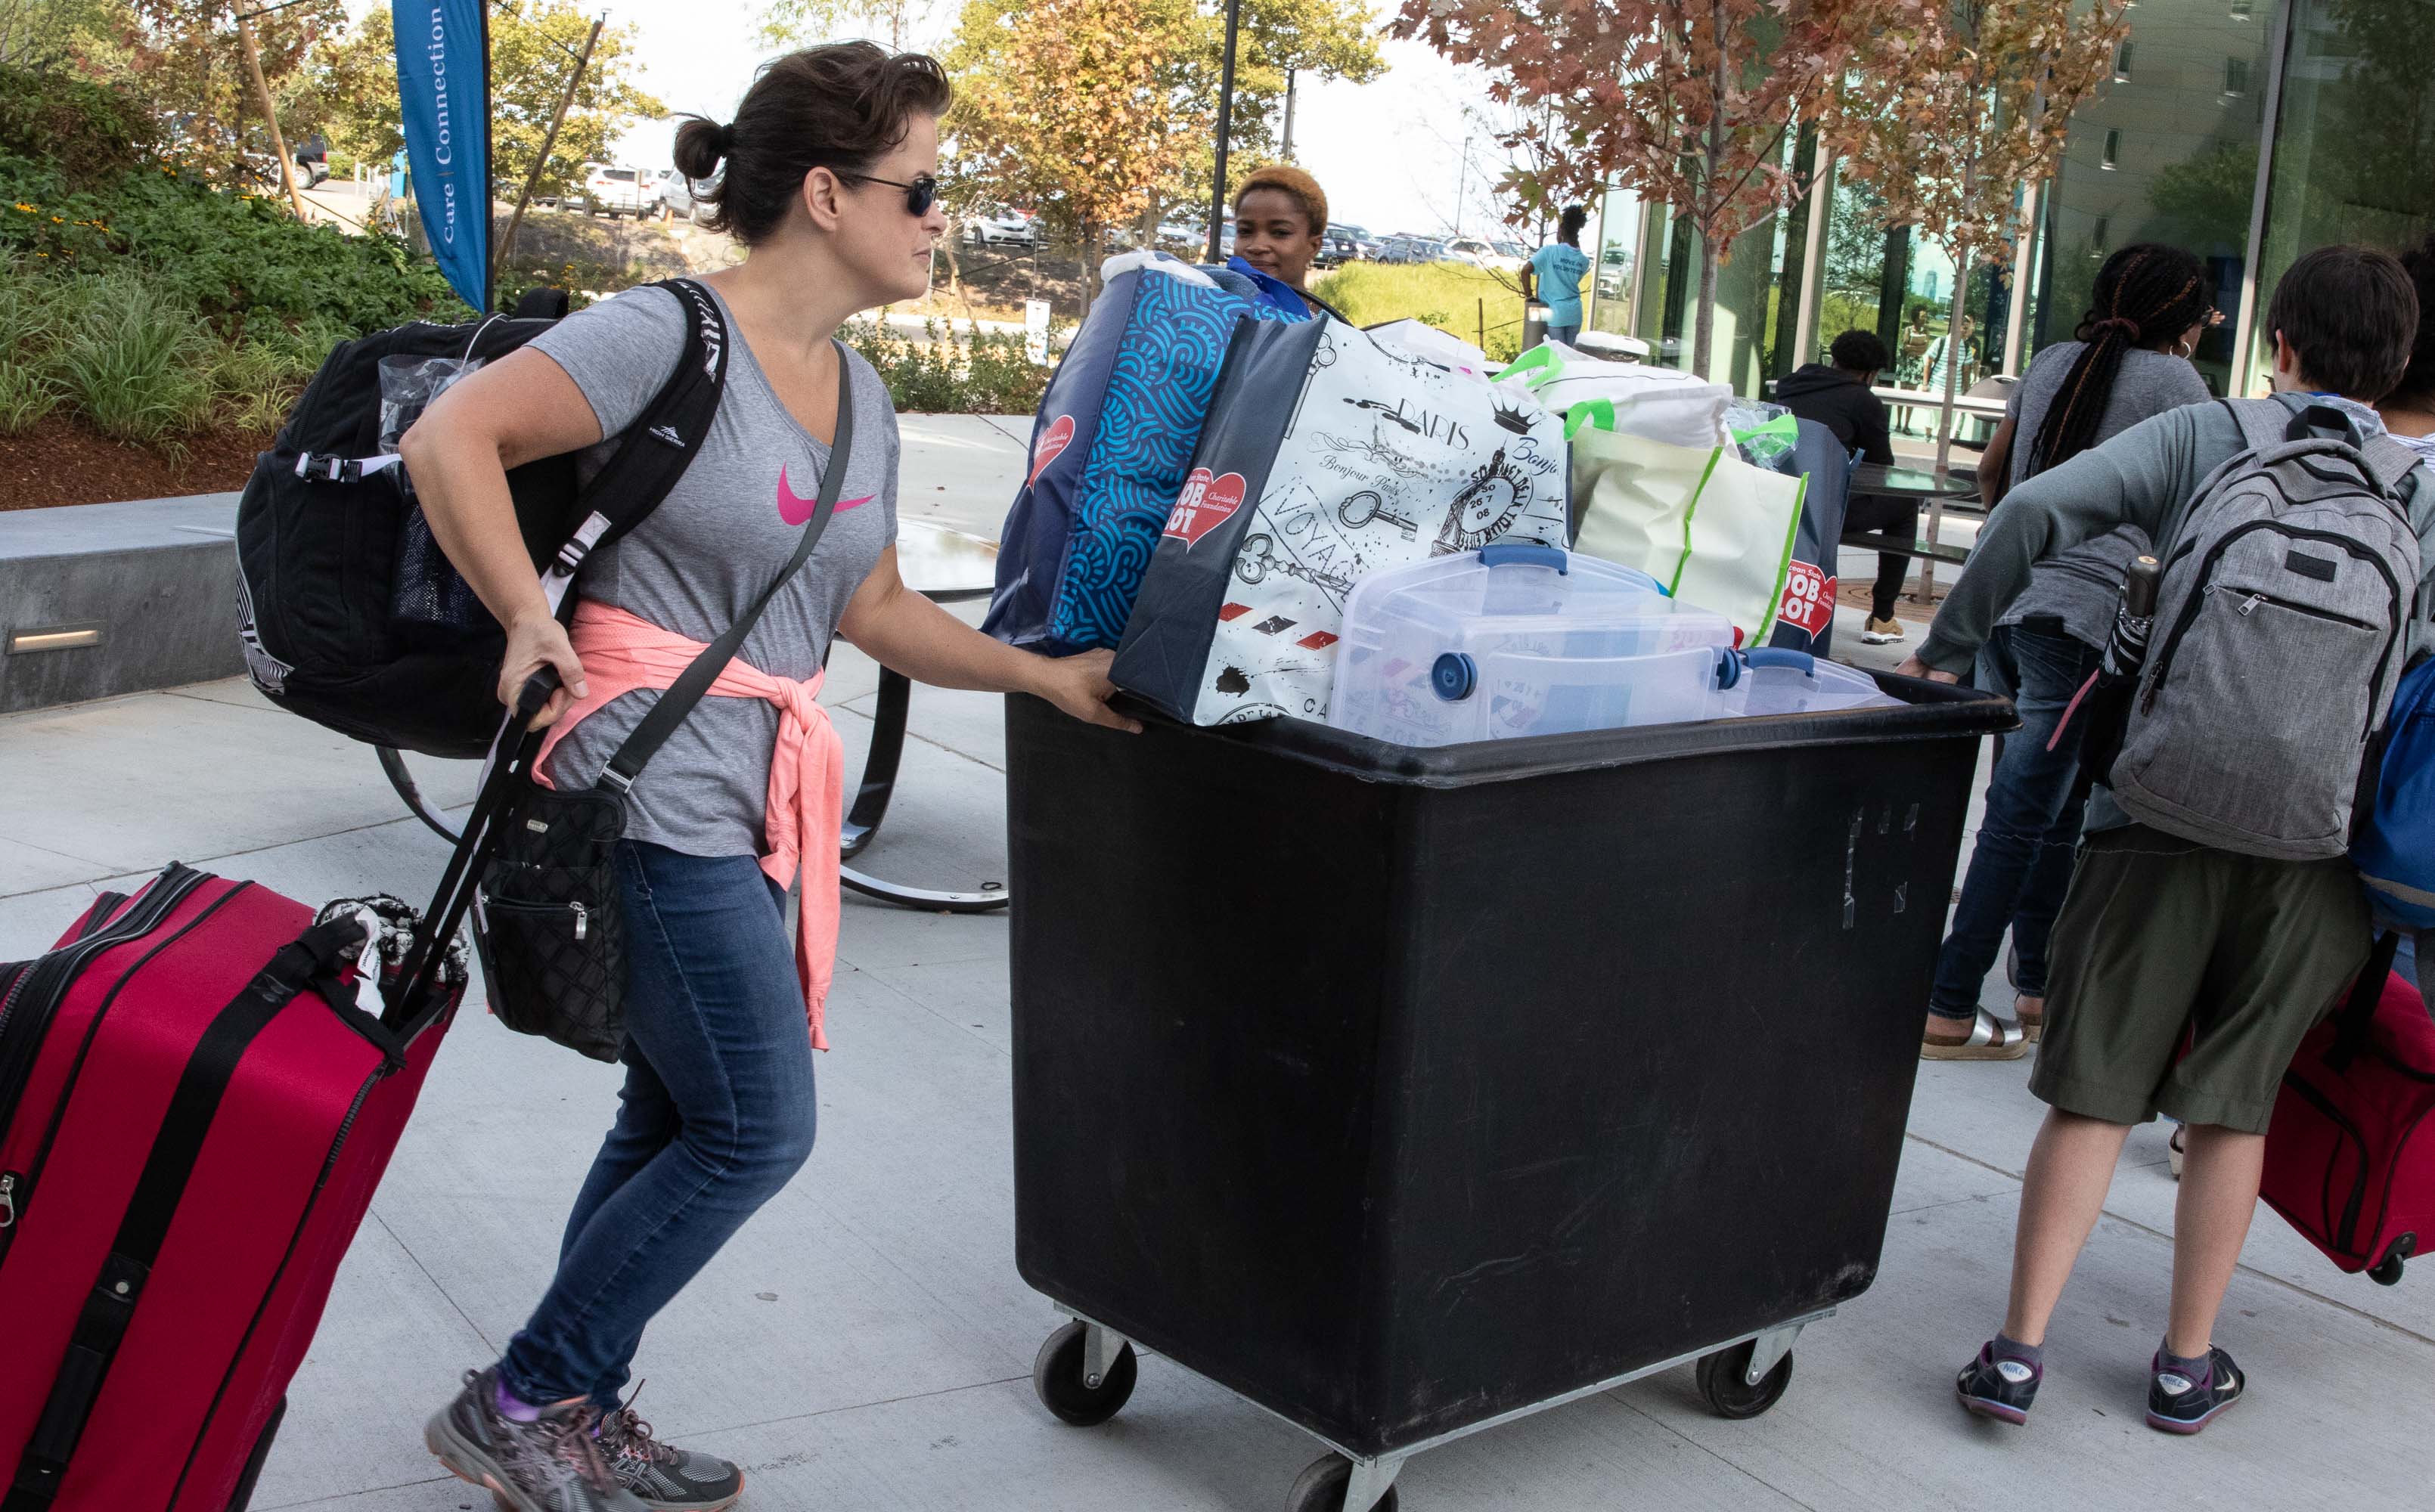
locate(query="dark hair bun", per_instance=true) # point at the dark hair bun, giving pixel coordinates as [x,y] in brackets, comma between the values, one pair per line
[699,145]
[841,107]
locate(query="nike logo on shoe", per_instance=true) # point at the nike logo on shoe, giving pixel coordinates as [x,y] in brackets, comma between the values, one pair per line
[795,509]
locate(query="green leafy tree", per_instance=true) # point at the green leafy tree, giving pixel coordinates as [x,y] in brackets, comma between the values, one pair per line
[1055,96]
[803,23]
[180,60]
[1303,40]
[533,45]
[1075,107]
[51,34]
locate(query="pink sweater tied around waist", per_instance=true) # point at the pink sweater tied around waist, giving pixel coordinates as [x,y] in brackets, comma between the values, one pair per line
[623,652]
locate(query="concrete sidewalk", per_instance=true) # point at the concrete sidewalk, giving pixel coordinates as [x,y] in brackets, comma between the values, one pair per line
[866,1344]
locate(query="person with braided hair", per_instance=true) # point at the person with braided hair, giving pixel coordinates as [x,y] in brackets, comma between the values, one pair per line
[2131,360]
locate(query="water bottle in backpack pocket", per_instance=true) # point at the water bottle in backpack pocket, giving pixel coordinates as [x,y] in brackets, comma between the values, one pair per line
[2278,638]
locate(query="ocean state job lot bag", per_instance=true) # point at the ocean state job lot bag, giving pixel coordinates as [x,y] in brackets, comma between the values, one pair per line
[1110,447]
[1328,454]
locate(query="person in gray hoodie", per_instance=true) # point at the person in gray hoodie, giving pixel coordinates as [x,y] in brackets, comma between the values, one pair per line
[2185,975]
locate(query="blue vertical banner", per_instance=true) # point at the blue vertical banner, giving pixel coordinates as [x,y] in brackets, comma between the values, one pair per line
[443,91]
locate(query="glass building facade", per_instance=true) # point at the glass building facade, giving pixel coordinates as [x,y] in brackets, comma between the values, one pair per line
[2248,131]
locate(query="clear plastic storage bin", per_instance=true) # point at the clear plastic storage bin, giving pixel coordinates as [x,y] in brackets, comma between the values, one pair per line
[1520,640]
[1793,682]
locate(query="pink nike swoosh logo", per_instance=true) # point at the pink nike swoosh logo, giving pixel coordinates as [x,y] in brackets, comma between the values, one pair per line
[795,509]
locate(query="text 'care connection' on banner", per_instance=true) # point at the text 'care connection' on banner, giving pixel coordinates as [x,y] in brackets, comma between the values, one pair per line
[444,90]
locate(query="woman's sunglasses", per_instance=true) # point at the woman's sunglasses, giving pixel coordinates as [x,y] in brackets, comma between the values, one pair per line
[919,196]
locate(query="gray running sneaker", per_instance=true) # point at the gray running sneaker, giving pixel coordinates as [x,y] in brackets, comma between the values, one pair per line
[550,1465]
[662,1476]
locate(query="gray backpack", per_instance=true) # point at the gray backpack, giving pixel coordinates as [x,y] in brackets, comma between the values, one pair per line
[2279,636]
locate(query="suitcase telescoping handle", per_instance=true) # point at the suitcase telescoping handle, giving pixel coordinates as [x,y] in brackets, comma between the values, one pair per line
[518,744]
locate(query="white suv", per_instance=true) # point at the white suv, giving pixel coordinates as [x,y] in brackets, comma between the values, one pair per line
[618,191]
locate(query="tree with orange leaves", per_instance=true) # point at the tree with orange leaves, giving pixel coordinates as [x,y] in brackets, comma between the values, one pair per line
[1958,111]
[1079,107]
[1689,102]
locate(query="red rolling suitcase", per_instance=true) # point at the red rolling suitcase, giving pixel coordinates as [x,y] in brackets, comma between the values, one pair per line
[199,1088]
[194,1112]
[2350,1157]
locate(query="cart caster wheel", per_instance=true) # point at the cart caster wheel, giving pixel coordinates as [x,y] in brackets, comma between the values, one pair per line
[1320,1488]
[1721,1382]
[1059,1376]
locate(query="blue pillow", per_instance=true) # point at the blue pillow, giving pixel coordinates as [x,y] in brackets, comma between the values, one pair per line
[1110,447]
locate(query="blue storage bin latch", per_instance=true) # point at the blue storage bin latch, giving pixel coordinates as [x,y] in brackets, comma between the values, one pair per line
[1528,553]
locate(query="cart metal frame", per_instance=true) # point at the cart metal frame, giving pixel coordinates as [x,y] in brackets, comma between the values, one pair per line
[1373,1477]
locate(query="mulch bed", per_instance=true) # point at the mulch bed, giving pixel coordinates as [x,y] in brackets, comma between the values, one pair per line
[61,461]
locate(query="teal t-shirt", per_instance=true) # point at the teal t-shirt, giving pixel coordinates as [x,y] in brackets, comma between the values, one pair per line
[1560,268]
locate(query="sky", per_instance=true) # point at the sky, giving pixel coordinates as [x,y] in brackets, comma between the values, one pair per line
[1391,153]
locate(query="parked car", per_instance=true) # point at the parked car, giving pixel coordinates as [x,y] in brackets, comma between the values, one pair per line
[1013,230]
[1339,244]
[1614,271]
[1413,250]
[676,195]
[1480,252]
[615,192]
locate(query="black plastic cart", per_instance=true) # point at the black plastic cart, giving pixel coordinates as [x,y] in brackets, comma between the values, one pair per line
[1405,1092]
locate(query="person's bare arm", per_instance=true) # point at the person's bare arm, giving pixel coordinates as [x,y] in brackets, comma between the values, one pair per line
[1995,465]
[910,634]
[518,409]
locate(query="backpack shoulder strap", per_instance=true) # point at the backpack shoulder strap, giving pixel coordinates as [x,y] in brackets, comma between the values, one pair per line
[655,450]
[2388,461]
[678,700]
[2264,423]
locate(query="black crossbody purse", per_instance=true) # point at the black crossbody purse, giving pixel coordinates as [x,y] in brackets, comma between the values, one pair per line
[547,919]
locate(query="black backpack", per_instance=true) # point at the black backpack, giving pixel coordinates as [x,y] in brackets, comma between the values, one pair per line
[349,613]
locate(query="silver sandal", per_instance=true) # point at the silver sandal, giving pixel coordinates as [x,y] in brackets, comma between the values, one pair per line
[1990,1038]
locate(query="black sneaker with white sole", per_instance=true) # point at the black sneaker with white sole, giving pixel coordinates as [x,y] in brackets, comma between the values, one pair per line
[551,1464]
[2002,1389]
[2178,1405]
[662,1476]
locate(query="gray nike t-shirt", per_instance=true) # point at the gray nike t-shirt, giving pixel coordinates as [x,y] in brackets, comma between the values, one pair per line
[697,563]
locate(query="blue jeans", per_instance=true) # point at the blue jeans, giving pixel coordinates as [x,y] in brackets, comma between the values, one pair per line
[2022,866]
[715,1116]
[1566,334]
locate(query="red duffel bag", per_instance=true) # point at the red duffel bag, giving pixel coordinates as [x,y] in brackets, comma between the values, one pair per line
[2350,1157]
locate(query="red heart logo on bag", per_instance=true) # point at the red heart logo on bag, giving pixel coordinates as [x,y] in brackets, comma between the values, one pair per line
[1059,435]
[1205,504]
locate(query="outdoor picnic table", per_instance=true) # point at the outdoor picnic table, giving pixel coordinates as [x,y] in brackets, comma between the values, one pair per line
[945,567]
[1922,485]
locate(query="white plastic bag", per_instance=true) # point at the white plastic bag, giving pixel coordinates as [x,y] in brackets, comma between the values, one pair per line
[1630,398]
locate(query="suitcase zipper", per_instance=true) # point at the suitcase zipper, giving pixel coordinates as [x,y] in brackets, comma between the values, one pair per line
[236,1356]
[9,1181]
[31,1175]
[25,1013]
